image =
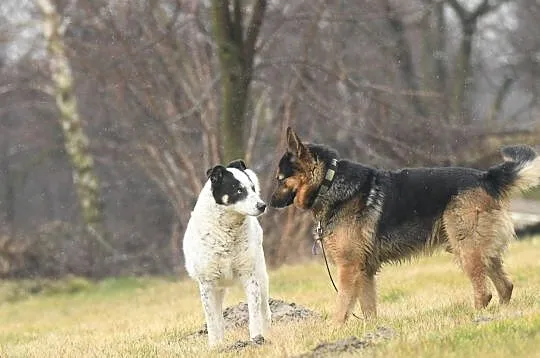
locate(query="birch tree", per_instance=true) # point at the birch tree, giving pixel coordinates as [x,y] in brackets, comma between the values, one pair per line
[75,140]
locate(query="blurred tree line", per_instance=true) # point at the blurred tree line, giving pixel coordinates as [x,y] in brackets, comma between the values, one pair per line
[164,89]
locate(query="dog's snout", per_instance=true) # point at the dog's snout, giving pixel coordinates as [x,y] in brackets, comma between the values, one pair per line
[261,206]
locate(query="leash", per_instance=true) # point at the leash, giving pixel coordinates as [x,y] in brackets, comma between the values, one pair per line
[319,238]
[323,188]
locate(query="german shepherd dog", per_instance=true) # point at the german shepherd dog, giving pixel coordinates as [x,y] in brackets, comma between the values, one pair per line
[368,217]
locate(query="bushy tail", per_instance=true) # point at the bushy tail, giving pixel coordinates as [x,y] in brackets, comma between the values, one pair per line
[519,172]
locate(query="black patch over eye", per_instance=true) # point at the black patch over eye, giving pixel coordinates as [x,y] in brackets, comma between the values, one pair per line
[230,187]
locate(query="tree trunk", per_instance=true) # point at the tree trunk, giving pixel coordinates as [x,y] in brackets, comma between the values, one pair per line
[403,58]
[462,74]
[440,43]
[8,201]
[236,51]
[75,141]
[468,20]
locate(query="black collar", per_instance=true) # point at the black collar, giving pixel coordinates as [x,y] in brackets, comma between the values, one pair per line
[328,178]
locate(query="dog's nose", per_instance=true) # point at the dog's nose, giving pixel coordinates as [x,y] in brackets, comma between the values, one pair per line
[261,207]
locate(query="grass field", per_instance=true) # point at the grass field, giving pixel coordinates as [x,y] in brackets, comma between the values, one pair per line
[426,303]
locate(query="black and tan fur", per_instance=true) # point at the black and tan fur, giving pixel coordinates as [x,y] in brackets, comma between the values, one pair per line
[370,217]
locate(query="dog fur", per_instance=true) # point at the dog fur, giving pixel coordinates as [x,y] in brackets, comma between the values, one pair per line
[370,217]
[223,243]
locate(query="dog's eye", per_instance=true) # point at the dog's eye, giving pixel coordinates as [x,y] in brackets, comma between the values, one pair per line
[239,191]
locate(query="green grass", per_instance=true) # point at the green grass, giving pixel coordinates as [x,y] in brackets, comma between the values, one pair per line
[427,303]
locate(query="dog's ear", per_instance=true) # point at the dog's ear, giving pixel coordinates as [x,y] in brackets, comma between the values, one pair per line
[238,164]
[295,145]
[216,173]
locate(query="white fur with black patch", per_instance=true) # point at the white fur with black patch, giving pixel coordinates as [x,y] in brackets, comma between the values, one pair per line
[223,244]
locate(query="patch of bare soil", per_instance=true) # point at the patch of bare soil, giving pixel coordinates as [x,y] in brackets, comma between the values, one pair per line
[237,316]
[349,345]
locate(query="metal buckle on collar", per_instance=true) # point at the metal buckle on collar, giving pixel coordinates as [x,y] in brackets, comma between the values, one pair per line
[328,177]
[327,180]
[319,231]
[318,238]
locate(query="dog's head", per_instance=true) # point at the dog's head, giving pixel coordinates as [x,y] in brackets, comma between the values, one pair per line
[300,173]
[236,188]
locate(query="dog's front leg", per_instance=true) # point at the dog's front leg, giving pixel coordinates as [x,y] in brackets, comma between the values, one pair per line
[368,296]
[211,298]
[252,288]
[265,307]
[348,275]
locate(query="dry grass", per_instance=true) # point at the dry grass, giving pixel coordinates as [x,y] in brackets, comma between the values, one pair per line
[427,303]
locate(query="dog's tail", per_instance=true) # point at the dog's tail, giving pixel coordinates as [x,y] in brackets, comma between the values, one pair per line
[520,171]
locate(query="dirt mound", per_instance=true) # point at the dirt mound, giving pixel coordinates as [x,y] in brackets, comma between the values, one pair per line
[282,311]
[350,344]
[238,345]
[238,316]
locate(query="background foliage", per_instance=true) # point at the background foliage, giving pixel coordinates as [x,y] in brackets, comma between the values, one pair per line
[167,88]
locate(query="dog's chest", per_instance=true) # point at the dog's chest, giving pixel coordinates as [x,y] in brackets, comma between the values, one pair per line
[225,253]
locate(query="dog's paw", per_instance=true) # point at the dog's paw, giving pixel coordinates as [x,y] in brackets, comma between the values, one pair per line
[258,339]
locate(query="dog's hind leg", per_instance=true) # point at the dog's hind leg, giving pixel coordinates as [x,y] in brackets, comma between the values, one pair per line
[474,266]
[252,287]
[467,229]
[465,245]
[212,299]
[501,230]
[470,255]
[499,278]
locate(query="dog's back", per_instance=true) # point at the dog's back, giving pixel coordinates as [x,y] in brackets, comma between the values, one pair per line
[415,199]
[422,192]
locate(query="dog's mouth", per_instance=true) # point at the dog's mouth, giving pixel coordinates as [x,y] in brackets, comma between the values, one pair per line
[257,210]
[282,201]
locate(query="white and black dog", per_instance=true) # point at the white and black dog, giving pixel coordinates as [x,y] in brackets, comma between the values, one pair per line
[223,243]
